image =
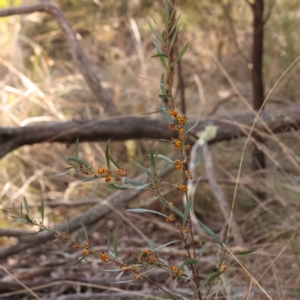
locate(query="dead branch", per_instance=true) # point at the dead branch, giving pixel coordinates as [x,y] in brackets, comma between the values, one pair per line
[83,62]
[130,127]
[14,232]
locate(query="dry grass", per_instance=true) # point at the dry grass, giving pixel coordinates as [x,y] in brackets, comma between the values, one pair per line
[39,83]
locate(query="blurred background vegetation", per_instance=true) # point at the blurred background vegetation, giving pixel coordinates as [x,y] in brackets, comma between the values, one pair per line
[117,36]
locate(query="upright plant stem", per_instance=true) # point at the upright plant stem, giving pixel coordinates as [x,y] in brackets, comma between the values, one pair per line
[259,161]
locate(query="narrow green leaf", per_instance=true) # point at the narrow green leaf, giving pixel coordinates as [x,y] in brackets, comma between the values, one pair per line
[167,14]
[210,232]
[143,210]
[111,254]
[77,160]
[34,233]
[143,187]
[202,250]
[22,220]
[163,261]
[134,182]
[164,96]
[42,210]
[164,64]
[161,140]
[222,256]
[175,24]
[76,147]
[108,241]
[114,162]
[165,245]
[156,156]
[107,154]
[159,55]
[163,35]
[189,261]
[162,84]
[95,186]
[141,167]
[186,212]
[174,36]
[167,159]
[28,219]
[120,187]
[151,244]
[92,178]
[116,242]
[80,235]
[215,276]
[152,159]
[188,272]
[162,59]
[197,122]
[181,54]
[26,205]
[124,281]
[79,261]
[159,50]
[63,173]
[67,225]
[85,232]
[202,285]
[173,12]
[166,114]
[119,276]
[56,239]
[147,271]
[163,16]
[177,211]
[155,33]
[198,158]
[245,252]
[64,158]
[21,208]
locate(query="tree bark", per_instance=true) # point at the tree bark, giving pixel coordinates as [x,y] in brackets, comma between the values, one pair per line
[131,127]
[258,157]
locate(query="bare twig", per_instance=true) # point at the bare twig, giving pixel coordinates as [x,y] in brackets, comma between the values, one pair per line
[232,29]
[218,104]
[83,62]
[28,290]
[268,14]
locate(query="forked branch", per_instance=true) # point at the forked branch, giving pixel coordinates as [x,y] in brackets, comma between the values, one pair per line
[83,62]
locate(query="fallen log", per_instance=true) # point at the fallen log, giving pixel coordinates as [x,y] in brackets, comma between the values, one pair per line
[134,127]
